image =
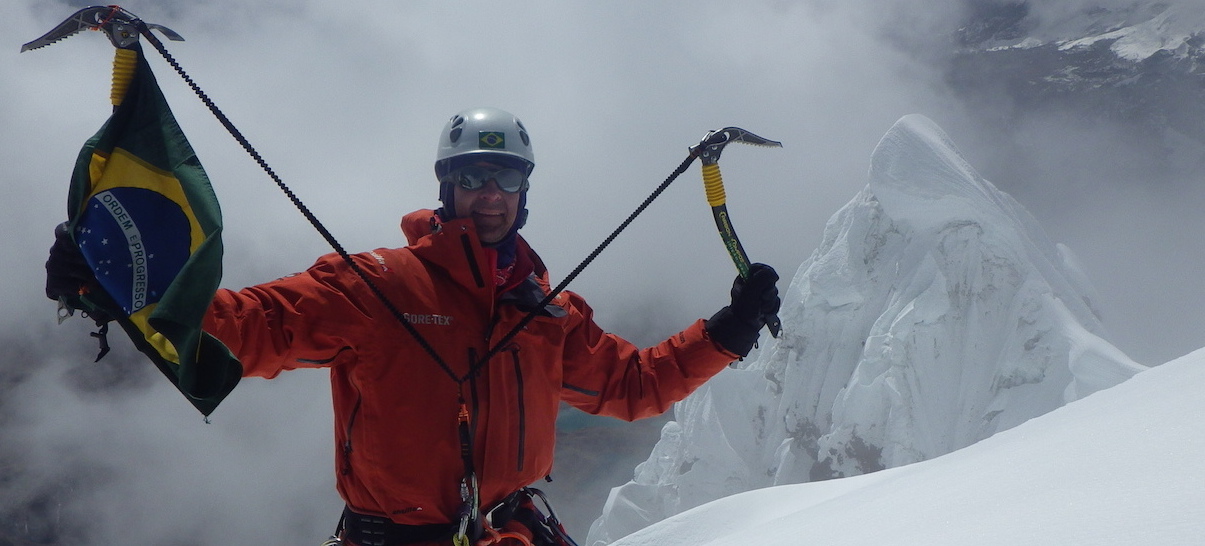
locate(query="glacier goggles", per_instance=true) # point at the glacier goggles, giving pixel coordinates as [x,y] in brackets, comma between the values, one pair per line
[474,177]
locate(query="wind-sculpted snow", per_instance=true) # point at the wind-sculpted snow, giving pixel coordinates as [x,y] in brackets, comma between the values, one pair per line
[1117,469]
[934,314]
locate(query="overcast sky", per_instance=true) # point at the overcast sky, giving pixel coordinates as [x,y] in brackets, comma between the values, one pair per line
[346,99]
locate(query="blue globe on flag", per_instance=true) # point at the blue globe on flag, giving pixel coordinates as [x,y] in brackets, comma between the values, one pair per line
[136,240]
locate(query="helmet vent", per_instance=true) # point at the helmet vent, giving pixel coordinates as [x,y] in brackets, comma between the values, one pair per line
[456,124]
[523,133]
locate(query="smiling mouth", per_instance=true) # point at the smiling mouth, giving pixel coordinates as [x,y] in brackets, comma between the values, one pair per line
[489,220]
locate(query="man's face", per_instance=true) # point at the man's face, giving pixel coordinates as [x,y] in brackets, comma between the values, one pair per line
[492,210]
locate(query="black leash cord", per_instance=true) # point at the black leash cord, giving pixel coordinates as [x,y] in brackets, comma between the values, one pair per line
[305,211]
[577,271]
[376,291]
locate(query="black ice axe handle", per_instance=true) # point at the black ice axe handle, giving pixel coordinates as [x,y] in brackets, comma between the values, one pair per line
[708,150]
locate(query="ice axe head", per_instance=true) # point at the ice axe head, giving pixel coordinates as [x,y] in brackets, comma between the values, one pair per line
[713,143]
[121,26]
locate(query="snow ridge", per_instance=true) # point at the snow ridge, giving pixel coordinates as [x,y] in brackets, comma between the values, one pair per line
[934,314]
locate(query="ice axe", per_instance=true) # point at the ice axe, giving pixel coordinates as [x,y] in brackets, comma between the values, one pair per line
[708,151]
[121,27]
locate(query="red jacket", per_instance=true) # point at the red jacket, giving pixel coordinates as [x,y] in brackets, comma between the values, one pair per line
[398,453]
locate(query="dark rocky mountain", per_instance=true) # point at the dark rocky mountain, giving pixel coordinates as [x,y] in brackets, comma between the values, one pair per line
[1142,64]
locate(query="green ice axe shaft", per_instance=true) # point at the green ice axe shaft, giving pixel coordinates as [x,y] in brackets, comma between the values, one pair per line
[708,150]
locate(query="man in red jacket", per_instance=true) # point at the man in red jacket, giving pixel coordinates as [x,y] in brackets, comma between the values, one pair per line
[436,427]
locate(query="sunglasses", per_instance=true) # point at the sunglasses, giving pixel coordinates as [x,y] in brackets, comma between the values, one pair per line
[474,177]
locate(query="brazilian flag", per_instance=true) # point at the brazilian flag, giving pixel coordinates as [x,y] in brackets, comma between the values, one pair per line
[146,219]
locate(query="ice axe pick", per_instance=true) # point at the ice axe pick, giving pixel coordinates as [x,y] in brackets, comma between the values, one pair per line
[708,151]
[121,26]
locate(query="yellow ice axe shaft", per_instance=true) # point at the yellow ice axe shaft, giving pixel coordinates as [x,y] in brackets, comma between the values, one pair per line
[708,150]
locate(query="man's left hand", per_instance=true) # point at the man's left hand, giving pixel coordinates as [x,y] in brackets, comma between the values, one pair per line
[754,300]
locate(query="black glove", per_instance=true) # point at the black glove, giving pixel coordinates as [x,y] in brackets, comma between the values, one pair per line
[71,282]
[754,300]
[69,278]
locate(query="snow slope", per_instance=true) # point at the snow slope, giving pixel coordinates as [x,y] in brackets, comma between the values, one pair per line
[935,314]
[1120,467]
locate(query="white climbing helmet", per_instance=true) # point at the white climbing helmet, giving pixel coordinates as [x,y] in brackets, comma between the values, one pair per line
[484,131]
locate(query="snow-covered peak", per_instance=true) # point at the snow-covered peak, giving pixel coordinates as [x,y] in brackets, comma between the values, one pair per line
[924,184]
[918,176]
[934,314]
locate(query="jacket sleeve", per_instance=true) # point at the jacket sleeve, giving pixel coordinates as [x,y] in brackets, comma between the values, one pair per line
[305,320]
[607,375]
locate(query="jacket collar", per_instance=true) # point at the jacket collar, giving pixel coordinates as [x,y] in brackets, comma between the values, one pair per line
[453,246]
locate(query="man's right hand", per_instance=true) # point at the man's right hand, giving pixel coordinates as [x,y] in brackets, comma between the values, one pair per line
[68,274]
[70,280]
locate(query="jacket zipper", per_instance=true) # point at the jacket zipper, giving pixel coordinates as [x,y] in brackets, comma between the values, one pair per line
[473,393]
[522,407]
[473,266]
